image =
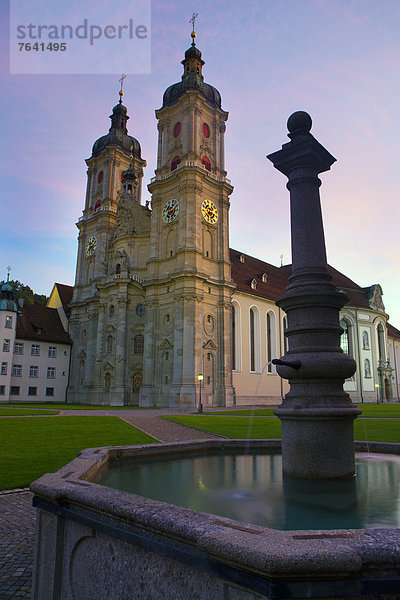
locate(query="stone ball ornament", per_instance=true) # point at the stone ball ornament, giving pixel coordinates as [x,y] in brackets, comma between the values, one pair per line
[299,122]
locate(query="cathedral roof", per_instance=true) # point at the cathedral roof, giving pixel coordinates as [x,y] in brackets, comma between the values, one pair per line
[271,281]
[36,322]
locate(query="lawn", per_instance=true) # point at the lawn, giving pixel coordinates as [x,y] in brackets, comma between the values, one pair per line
[64,406]
[31,447]
[369,410]
[256,412]
[373,430]
[18,412]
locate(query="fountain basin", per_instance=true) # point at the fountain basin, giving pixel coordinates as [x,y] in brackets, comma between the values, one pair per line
[94,542]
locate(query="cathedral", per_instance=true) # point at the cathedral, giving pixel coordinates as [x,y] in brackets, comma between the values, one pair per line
[163,312]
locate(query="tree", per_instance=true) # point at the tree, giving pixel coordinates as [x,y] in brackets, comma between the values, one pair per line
[25,292]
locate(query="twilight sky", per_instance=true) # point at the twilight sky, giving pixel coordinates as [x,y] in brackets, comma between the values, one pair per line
[336,59]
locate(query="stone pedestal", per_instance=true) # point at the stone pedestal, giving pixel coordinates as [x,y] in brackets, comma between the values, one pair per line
[317,414]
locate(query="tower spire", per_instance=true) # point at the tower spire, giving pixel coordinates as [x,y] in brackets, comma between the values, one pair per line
[192,21]
[121,93]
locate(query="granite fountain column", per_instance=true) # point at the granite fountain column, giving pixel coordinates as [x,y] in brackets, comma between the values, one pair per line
[317,415]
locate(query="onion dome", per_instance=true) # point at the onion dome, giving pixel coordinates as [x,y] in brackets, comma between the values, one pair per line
[118,133]
[7,298]
[192,79]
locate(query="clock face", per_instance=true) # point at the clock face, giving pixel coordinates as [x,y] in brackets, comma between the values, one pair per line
[91,245]
[209,211]
[170,211]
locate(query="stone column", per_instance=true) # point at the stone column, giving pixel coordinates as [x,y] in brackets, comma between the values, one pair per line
[317,415]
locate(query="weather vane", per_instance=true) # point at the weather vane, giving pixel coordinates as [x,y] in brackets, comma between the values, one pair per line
[193,20]
[121,93]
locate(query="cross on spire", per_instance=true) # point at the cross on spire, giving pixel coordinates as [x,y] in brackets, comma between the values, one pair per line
[193,20]
[121,93]
[8,274]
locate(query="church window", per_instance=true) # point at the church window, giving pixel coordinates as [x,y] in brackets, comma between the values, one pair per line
[206,130]
[271,340]
[118,269]
[346,342]
[100,177]
[138,344]
[254,340]
[177,129]
[175,162]
[367,368]
[109,345]
[206,162]
[365,340]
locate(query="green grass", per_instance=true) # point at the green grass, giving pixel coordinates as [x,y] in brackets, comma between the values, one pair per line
[18,412]
[31,447]
[64,406]
[380,410]
[373,430]
[233,427]
[257,412]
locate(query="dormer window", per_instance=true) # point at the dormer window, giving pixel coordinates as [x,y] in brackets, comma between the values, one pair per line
[253,284]
[264,278]
[241,258]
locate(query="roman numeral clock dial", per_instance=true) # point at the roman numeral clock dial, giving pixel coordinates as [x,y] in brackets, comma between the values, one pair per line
[209,211]
[170,211]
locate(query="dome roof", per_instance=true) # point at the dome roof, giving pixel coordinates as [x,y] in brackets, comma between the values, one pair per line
[116,137]
[118,133]
[192,81]
[9,305]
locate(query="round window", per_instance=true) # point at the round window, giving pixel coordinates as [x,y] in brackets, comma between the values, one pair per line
[140,310]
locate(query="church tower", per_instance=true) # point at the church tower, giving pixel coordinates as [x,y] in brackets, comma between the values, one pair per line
[106,323]
[189,285]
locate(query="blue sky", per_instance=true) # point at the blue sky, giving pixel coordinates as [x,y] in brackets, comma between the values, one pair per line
[336,59]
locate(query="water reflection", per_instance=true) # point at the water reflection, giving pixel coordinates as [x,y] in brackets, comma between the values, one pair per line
[250,488]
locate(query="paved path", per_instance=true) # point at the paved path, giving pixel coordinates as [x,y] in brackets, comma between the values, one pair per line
[17,517]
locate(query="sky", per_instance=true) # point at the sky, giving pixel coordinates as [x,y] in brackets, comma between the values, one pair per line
[336,59]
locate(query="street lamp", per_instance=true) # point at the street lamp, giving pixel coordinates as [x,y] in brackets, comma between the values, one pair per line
[377,390]
[200,378]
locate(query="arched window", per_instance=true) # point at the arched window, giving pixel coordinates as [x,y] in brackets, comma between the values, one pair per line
[271,340]
[254,340]
[367,368]
[118,269]
[381,343]
[346,339]
[365,340]
[175,162]
[253,284]
[100,177]
[109,345]
[236,337]
[206,162]
[138,344]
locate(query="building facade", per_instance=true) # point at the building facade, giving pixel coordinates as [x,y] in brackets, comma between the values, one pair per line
[35,352]
[159,297]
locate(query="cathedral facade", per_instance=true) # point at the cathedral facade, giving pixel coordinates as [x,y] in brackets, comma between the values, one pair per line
[160,298]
